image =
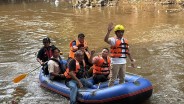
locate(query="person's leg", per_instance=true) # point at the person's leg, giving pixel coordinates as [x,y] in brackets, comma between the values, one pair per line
[122,73]
[99,78]
[86,83]
[113,74]
[103,78]
[73,91]
[95,78]
[90,72]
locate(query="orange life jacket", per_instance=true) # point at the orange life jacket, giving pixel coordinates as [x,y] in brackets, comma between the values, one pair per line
[100,66]
[66,73]
[120,49]
[72,50]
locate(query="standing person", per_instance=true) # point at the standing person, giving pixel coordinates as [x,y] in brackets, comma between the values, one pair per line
[119,50]
[55,65]
[75,74]
[44,53]
[101,66]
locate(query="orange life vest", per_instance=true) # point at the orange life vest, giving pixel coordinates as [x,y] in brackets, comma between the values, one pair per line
[66,73]
[100,66]
[120,49]
[72,50]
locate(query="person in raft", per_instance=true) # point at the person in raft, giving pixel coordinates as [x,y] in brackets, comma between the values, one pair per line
[88,68]
[55,66]
[101,66]
[75,75]
[76,44]
[119,50]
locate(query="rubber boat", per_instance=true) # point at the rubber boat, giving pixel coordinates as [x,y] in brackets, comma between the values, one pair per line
[135,90]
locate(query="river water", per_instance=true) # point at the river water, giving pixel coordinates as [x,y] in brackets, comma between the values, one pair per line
[155,34]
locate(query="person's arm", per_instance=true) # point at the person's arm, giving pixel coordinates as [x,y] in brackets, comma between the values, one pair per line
[71,73]
[74,46]
[95,60]
[106,38]
[131,59]
[91,56]
[40,61]
[56,75]
[86,46]
[39,56]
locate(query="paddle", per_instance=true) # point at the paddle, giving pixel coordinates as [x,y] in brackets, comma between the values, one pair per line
[22,76]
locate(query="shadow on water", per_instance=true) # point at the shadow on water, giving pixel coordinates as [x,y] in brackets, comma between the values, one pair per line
[19,92]
[9,94]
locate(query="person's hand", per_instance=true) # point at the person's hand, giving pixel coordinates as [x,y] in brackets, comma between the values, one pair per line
[80,84]
[92,52]
[42,63]
[75,48]
[132,63]
[110,27]
[85,47]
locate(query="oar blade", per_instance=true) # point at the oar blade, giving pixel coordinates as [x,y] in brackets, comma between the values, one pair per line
[19,78]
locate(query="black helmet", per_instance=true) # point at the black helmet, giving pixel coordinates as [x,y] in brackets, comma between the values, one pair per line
[46,40]
[81,35]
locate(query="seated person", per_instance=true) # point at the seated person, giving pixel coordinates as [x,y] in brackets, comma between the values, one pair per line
[76,44]
[75,75]
[87,61]
[101,66]
[55,67]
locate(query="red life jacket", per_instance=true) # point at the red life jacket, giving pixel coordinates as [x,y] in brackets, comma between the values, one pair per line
[100,66]
[120,49]
[48,53]
[66,73]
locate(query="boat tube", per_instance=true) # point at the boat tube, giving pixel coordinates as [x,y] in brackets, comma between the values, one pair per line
[135,89]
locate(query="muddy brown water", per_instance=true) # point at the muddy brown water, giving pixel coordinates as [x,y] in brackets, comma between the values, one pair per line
[155,34]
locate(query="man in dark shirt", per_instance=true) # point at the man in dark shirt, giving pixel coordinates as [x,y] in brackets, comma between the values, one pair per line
[45,52]
[72,67]
[75,74]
